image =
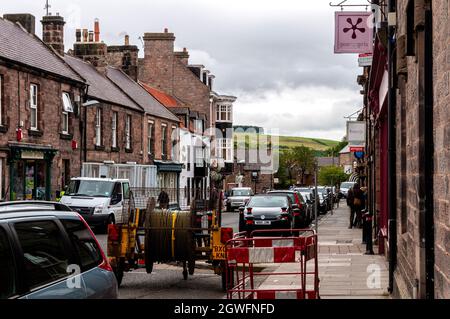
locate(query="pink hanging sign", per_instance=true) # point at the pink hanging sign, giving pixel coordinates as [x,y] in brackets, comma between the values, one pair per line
[354,32]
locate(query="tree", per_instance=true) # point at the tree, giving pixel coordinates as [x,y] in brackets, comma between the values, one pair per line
[334,151]
[304,160]
[332,175]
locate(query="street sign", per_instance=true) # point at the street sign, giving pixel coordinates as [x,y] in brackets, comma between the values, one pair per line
[359,154]
[365,59]
[354,32]
[356,149]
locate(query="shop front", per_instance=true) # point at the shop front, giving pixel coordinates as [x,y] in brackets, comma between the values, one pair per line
[169,179]
[30,168]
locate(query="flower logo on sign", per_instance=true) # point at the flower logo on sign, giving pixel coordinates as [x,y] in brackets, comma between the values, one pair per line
[354,27]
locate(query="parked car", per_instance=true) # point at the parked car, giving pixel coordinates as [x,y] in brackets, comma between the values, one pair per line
[307,194]
[99,200]
[302,218]
[345,187]
[47,251]
[238,197]
[267,212]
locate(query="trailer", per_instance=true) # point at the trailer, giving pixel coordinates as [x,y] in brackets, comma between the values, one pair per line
[154,235]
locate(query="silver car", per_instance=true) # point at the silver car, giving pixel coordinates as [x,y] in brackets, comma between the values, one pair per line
[238,197]
[48,251]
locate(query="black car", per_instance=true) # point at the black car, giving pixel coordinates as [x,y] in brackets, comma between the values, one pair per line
[267,212]
[301,218]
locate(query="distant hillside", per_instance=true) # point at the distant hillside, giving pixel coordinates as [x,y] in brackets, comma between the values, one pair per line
[287,142]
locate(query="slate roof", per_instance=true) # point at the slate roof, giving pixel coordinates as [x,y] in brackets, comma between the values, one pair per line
[17,45]
[100,87]
[139,94]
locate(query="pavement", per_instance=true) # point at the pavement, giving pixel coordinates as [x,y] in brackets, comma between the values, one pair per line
[345,272]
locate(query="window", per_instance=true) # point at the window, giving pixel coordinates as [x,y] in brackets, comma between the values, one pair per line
[114,130]
[175,145]
[128,133]
[224,113]
[7,268]
[151,137]
[34,106]
[163,140]
[199,156]
[89,255]
[67,108]
[198,126]
[98,127]
[126,191]
[43,251]
[224,149]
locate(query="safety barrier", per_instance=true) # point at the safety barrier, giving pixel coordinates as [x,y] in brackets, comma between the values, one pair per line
[243,253]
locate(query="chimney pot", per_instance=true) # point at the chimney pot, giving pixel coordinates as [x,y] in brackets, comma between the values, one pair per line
[127,39]
[166,30]
[85,35]
[91,36]
[78,35]
[97,30]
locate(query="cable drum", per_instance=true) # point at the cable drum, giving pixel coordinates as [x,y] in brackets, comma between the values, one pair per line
[169,237]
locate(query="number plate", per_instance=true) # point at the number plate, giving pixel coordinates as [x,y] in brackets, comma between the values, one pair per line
[262,222]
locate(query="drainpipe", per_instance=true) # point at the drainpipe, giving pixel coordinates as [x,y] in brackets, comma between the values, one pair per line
[392,182]
[429,153]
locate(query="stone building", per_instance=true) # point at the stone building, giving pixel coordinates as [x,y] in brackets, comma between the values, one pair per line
[409,181]
[40,110]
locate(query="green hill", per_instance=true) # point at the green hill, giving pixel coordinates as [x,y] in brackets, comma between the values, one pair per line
[287,142]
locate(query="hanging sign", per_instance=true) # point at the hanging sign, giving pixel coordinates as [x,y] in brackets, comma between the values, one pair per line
[353,32]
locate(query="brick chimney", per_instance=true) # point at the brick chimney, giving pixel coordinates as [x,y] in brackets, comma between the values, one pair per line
[157,67]
[89,49]
[124,57]
[26,20]
[53,32]
[183,56]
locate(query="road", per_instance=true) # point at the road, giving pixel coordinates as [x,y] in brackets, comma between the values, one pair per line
[166,281]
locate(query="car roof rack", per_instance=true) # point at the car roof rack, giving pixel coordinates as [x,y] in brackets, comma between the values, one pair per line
[15,206]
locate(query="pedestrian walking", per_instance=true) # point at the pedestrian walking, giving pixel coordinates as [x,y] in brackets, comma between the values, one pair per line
[350,204]
[163,199]
[358,204]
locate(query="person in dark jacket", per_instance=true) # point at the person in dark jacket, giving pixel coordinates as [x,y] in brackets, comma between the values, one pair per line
[358,204]
[163,199]
[350,199]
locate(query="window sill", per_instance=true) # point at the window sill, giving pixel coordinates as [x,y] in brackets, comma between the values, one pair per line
[35,133]
[115,149]
[3,129]
[66,136]
[99,148]
[128,150]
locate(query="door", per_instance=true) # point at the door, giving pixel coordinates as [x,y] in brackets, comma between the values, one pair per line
[116,206]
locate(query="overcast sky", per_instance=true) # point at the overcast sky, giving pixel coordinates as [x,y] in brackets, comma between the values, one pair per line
[275,56]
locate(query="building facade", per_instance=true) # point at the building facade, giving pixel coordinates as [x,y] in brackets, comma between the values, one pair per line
[407,115]
[41,110]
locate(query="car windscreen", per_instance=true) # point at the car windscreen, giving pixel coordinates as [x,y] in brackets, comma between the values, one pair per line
[90,188]
[347,185]
[268,201]
[240,192]
[291,195]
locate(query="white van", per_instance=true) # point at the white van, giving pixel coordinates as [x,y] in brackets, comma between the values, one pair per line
[99,200]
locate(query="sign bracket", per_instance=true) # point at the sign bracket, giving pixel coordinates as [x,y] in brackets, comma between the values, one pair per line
[342,4]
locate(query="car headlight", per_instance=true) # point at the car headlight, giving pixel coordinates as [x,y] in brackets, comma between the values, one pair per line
[98,209]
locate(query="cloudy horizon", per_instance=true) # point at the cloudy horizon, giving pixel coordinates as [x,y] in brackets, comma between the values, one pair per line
[276,57]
